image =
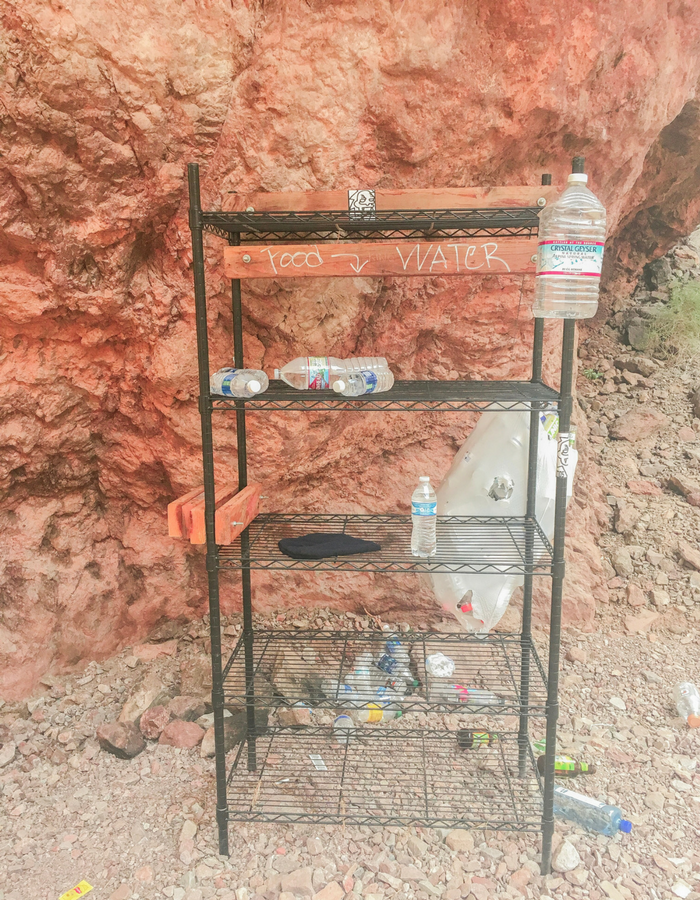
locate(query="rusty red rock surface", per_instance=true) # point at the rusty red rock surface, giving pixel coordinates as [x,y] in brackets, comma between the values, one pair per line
[103,106]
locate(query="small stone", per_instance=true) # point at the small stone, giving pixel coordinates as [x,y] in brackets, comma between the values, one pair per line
[195,675]
[294,716]
[683,485]
[314,846]
[7,753]
[626,518]
[234,732]
[242,894]
[635,595]
[695,581]
[416,846]
[618,703]
[622,562]
[153,721]
[654,800]
[660,598]
[641,623]
[681,889]
[144,875]
[181,734]
[131,661]
[187,708]
[654,557]
[152,692]
[332,891]
[566,858]
[638,424]
[611,891]
[520,878]
[645,488]
[578,877]
[460,840]
[123,892]
[188,831]
[412,873]
[298,882]
[575,654]
[687,434]
[122,739]
[690,554]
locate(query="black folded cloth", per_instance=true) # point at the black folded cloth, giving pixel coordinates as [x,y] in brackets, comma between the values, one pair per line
[319,546]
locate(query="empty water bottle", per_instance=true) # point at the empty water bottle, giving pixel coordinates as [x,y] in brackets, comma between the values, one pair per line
[589,813]
[444,692]
[322,372]
[424,518]
[355,384]
[336,690]
[381,711]
[570,255]
[687,699]
[230,382]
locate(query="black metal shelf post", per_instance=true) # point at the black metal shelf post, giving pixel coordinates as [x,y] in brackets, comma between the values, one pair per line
[271,775]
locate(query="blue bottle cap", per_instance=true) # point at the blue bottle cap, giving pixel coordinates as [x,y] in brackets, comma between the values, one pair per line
[625,825]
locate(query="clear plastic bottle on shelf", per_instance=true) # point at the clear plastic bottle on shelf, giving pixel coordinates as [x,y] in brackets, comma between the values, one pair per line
[424,518]
[355,384]
[342,728]
[589,813]
[687,699]
[440,691]
[380,711]
[364,678]
[570,254]
[242,383]
[334,689]
[395,661]
[322,372]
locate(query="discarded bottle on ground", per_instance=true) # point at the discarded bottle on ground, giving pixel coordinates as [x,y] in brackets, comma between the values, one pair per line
[565,767]
[318,373]
[443,692]
[242,383]
[589,813]
[570,255]
[687,699]
[424,518]
[382,711]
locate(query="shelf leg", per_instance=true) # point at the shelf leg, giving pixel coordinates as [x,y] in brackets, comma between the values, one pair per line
[217,696]
[531,513]
[565,408]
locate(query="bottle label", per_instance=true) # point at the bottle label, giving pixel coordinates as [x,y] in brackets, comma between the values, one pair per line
[550,423]
[375,713]
[319,373]
[225,387]
[370,381]
[580,798]
[427,508]
[583,258]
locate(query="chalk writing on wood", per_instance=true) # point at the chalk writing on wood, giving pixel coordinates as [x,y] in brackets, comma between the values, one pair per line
[456,257]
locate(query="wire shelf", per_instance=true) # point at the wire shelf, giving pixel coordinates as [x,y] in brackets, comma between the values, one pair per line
[290,667]
[385,776]
[405,396]
[476,544]
[379,225]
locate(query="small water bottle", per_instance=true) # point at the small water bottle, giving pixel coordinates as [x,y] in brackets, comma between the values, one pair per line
[589,813]
[424,517]
[687,699]
[312,373]
[381,711]
[241,383]
[336,690]
[570,252]
[366,381]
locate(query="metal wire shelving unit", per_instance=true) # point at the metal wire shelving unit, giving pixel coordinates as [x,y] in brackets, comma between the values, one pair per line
[406,771]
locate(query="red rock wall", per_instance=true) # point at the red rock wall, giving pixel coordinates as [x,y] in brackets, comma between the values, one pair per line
[104,103]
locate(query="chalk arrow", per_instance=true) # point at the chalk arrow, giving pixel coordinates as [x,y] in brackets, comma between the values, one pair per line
[356,267]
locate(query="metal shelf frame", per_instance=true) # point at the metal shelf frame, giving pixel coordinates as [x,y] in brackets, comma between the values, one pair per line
[268,777]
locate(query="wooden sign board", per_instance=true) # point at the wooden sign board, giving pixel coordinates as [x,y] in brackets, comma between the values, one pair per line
[477,256]
[436,198]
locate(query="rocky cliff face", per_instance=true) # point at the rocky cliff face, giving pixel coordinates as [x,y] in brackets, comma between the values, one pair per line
[104,103]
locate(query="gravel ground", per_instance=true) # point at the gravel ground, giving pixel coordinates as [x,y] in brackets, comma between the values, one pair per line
[144,827]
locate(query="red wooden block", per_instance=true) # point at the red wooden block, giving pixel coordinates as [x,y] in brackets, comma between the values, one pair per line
[176,525]
[237,514]
[193,513]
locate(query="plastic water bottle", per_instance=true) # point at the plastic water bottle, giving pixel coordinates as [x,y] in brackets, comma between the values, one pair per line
[687,699]
[318,373]
[570,253]
[589,813]
[343,727]
[376,712]
[230,382]
[336,690]
[444,692]
[355,384]
[424,517]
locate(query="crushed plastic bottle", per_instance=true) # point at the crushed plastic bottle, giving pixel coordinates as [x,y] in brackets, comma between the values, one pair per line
[589,813]
[687,699]
[364,678]
[570,253]
[439,665]
[343,727]
[322,372]
[565,767]
[242,383]
[424,518]
[444,692]
[382,711]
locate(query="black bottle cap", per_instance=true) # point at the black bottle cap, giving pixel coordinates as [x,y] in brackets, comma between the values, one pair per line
[546,179]
[578,165]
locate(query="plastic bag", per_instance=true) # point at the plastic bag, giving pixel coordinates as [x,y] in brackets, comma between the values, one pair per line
[489,478]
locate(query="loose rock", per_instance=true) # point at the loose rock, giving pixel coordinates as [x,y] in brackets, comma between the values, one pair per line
[566,858]
[122,739]
[187,708]
[460,840]
[638,424]
[153,721]
[181,734]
